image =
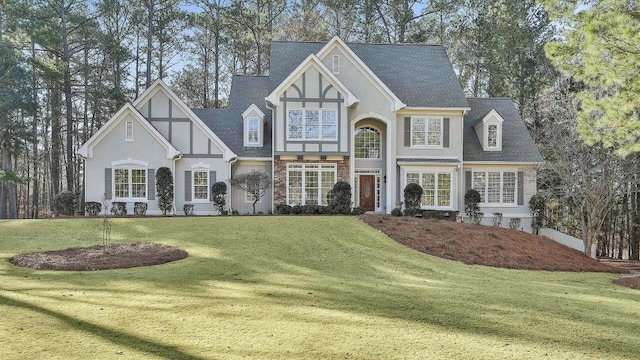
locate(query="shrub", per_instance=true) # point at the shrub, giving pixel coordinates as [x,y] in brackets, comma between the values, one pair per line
[412,197]
[497,219]
[164,189]
[188,209]
[514,223]
[537,206]
[283,209]
[396,212]
[321,209]
[358,210]
[219,194]
[471,208]
[92,208]
[341,195]
[119,208]
[309,209]
[140,208]
[65,202]
[296,209]
[410,212]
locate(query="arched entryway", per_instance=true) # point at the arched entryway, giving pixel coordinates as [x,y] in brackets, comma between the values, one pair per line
[369,153]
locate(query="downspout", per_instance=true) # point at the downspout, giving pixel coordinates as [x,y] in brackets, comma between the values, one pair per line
[173,173]
[231,162]
[273,157]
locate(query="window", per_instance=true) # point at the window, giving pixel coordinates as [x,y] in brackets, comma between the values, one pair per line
[201,185]
[310,184]
[367,143]
[130,183]
[492,136]
[426,131]
[495,187]
[336,64]
[129,131]
[436,188]
[312,124]
[253,131]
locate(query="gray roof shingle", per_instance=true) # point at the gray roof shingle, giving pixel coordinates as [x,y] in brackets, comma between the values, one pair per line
[419,75]
[227,123]
[517,144]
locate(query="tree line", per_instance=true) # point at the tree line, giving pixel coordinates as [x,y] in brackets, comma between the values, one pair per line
[66,66]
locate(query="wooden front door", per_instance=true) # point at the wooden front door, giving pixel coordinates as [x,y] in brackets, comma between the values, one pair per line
[368,192]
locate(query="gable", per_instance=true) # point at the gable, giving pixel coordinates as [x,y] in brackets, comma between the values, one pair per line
[353,69]
[296,83]
[115,127]
[184,129]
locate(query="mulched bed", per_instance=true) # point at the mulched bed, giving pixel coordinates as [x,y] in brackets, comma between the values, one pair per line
[485,245]
[118,256]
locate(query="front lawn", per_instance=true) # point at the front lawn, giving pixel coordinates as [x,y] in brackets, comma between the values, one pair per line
[297,287]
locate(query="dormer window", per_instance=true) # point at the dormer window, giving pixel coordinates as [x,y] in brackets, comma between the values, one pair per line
[253,131]
[253,119]
[492,136]
[489,131]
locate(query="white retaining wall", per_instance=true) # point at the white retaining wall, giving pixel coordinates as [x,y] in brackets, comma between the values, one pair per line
[567,240]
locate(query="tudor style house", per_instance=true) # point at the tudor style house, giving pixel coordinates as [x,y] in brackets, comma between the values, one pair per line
[378,116]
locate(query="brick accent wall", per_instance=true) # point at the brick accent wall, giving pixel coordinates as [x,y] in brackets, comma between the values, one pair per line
[280,175]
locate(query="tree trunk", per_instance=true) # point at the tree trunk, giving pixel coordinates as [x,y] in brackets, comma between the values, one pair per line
[34,130]
[149,42]
[66,58]
[55,140]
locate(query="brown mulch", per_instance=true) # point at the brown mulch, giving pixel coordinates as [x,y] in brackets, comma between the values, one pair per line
[118,256]
[485,245]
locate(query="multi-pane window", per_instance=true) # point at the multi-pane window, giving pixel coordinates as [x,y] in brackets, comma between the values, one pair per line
[367,143]
[310,184]
[130,183]
[492,136]
[200,185]
[121,183]
[426,131]
[312,124]
[436,188]
[253,131]
[495,187]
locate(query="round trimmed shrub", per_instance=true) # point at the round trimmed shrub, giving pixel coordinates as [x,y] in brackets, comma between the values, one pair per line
[412,196]
[341,194]
[396,212]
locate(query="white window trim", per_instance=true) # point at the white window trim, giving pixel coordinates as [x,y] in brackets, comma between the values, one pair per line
[259,137]
[200,168]
[320,111]
[126,131]
[129,167]
[335,64]
[426,119]
[434,170]
[486,188]
[303,169]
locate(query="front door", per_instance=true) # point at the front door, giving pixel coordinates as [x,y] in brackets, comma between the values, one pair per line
[368,192]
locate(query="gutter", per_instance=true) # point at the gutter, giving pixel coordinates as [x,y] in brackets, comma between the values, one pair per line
[173,173]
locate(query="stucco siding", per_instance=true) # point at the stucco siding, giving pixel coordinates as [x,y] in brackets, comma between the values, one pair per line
[455,138]
[201,207]
[113,147]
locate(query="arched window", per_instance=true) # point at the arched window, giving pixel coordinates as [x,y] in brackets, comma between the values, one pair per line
[367,143]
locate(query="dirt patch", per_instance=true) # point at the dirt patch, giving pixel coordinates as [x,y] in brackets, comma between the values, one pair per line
[118,256]
[485,245]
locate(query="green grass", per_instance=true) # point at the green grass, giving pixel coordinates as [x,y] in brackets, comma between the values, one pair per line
[297,287]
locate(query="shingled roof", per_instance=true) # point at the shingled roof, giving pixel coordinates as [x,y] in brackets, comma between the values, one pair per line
[227,123]
[517,144]
[419,75]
